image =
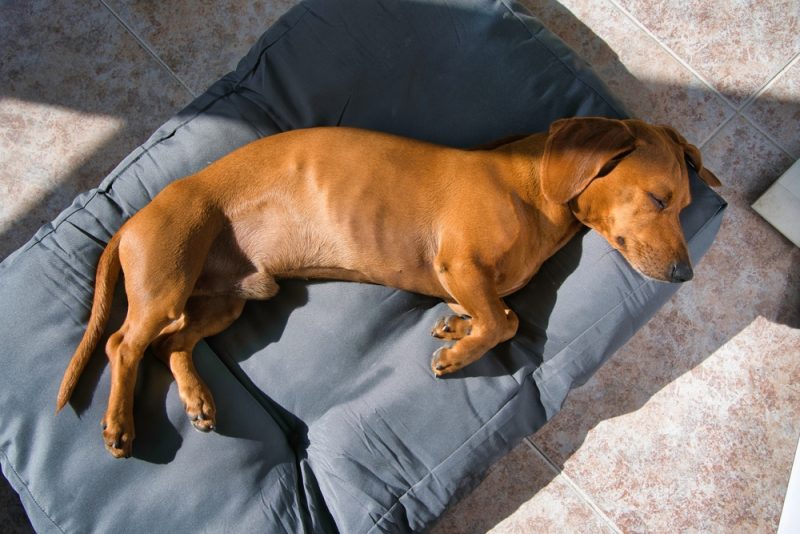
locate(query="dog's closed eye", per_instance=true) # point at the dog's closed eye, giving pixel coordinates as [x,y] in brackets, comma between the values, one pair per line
[658,202]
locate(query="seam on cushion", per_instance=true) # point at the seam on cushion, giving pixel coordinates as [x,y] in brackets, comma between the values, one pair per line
[575,74]
[28,491]
[267,46]
[229,363]
[282,425]
[430,472]
[112,179]
[700,230]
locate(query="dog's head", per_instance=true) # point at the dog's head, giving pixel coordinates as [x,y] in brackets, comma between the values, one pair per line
[627,180]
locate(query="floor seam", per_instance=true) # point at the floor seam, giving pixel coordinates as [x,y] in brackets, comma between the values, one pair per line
[752,123]
[675,55]
[573,486]
[718,129]
[770,82]
[766,134]
[148,48]
[753,99]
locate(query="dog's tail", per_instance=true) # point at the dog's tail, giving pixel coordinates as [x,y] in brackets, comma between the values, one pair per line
[107,274]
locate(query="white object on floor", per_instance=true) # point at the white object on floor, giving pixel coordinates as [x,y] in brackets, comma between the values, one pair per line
[780,204]
[790,518]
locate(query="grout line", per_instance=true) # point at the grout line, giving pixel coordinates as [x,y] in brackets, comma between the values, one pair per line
[581,494]
[702,146]
[772,81]
[764,88]
[738,111]
[774,141]
[675,56]
[542,456]
[717,130]
[147,48]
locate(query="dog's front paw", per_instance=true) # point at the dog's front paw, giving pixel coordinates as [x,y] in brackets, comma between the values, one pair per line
[201,409]
[118,438]
[452,327]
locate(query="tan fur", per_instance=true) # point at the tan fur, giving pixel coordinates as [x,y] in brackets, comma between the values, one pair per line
[467,226]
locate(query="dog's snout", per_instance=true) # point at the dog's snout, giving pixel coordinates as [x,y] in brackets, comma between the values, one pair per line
[681,272]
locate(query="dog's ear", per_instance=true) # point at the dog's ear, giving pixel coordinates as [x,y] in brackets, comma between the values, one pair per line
[578,150]
[693,153]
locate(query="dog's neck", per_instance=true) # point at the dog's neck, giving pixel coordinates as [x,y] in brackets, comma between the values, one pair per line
[525,158]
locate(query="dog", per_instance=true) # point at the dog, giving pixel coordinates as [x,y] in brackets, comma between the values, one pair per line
[466,226]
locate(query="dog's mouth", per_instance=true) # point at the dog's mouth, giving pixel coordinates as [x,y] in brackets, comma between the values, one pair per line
[670,267]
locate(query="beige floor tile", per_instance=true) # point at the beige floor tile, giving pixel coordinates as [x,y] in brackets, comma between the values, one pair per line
[751,269]
[738,46]
[78,94]
[745,160]
[652,84]
[200,41]
[521,494]
[777,110]
[709,452]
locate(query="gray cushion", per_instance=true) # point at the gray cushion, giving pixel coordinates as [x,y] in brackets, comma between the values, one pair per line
[328,415]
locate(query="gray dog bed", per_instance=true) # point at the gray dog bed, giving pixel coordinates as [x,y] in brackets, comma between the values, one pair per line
[329,417]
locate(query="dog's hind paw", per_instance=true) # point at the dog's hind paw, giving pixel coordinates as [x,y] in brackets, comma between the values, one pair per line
[118,440]
[452,327]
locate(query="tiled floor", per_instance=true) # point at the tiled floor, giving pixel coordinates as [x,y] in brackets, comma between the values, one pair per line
[691,426]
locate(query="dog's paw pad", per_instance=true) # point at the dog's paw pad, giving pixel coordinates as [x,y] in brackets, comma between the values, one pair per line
[118,442]
[202,413]
[202,422]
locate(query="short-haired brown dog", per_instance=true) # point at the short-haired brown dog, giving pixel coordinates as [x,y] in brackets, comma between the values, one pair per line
[468,226]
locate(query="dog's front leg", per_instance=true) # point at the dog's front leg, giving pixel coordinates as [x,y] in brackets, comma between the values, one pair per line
[490,320]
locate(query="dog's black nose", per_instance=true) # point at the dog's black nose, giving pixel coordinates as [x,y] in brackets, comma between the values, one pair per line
[681,272]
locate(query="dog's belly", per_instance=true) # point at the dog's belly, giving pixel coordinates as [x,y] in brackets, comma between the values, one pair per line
[287,243]
[419,282]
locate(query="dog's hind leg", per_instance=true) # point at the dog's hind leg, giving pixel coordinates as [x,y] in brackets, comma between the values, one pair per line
[125,349]
[203,317]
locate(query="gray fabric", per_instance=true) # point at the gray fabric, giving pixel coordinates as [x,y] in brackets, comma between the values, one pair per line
[329,416]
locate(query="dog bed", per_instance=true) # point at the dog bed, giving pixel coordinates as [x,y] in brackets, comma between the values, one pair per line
[329,418]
